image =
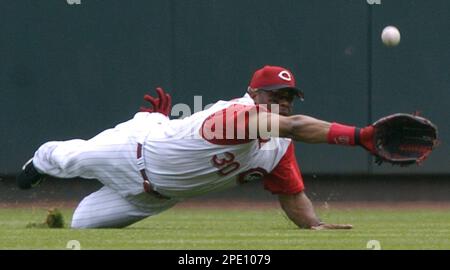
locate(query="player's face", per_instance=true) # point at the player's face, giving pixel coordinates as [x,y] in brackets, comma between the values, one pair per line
[282,97]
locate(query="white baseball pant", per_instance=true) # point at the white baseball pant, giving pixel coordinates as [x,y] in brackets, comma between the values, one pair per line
[111,158]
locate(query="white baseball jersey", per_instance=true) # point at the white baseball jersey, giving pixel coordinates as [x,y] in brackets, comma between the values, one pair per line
[181,161]
[178,157]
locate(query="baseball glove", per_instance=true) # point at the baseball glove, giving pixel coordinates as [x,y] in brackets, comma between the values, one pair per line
[403,139]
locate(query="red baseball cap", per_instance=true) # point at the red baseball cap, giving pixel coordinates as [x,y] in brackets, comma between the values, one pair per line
[274,78]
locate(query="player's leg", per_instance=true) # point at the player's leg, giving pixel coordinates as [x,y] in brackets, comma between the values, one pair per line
[59,158]
[52,158]
[112,160]
[110,156]
[114,157]
[107,209]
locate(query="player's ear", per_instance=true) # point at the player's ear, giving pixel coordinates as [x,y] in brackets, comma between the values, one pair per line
[252,92]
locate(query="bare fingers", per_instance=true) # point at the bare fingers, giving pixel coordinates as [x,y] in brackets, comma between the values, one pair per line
[332,227]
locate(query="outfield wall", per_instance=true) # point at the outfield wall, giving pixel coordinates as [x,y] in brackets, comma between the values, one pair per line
[71,71]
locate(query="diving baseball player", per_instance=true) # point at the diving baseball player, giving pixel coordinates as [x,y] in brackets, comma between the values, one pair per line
[150,163]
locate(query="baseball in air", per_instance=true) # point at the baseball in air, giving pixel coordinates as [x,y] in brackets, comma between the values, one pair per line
[391,36]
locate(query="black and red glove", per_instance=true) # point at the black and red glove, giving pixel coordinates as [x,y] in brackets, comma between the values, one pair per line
[403,139]
[162,104]
[399,139]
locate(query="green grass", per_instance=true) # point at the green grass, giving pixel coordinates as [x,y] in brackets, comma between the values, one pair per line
[236,229]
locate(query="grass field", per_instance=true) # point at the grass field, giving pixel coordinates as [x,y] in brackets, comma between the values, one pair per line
[233,229]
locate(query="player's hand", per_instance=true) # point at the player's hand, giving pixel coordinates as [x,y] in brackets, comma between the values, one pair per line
[366,138]
[162,104]
[324,226]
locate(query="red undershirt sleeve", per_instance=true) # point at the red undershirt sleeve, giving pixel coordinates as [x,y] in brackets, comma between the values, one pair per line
[286,178]
[230,126]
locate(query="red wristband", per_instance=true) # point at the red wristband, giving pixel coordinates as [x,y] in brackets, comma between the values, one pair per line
[341,134]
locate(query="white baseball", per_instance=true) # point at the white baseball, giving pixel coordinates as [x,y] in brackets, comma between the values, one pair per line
[391,36]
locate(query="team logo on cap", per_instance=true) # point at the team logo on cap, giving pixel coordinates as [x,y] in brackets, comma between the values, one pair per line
[285,75]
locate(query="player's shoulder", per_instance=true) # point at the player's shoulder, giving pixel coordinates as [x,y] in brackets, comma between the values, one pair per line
[278,145]
[285,143]
[235,104]
[245,100]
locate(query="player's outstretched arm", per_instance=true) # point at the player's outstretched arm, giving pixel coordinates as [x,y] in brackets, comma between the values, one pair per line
[401,139]
[311,130]
[300,210]
[304,128]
